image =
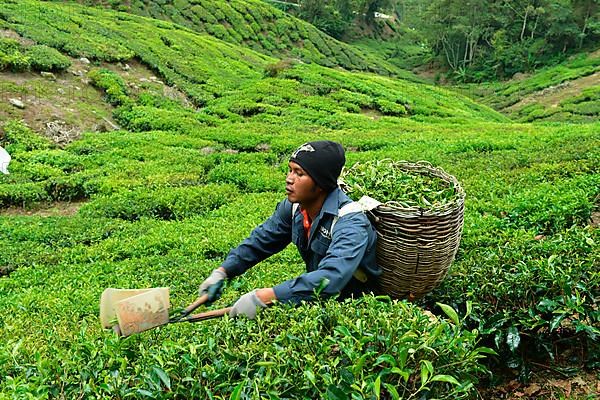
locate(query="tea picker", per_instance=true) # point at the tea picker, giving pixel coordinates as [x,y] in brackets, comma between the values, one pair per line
[377,246]
[337,249]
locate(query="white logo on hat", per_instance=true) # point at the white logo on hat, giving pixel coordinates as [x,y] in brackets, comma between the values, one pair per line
[304,147]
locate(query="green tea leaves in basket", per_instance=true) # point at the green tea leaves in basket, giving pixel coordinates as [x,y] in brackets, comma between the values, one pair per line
[396,182]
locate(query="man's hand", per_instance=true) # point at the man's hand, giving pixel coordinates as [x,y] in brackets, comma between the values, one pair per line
[213,285]
[247,305]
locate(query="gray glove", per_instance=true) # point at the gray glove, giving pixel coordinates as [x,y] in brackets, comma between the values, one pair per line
[248,305]
[213,285]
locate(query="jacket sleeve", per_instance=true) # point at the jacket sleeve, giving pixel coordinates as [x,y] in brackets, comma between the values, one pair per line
[349,243]
[269,238]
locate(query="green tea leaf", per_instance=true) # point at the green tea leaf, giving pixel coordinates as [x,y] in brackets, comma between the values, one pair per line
[449,312]
[237,392]
[145,393]
[162,375]
[310,376]
[335,393]
[445,378]
[377,387]
[265,363]
[555,323]
[486,350]
[392,390]
[426,371]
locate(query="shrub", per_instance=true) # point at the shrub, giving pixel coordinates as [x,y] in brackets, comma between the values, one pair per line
[248,177]
[22,194]
[148,118]
[390,108]
[112,84]
[15,61]
[19,138]
[164,203]
[44,58]
[67,188]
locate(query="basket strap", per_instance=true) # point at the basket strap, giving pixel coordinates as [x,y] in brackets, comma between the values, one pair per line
[294,209]
[349,208]
[365,203]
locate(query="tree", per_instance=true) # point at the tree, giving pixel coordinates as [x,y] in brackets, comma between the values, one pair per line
[332,17]
[456,28]
[587,17]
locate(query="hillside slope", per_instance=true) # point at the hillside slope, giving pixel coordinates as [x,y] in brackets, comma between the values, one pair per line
[257,25]
[569,92]
[206,68]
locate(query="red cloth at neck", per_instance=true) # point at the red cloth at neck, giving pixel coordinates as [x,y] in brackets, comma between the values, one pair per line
[307,222]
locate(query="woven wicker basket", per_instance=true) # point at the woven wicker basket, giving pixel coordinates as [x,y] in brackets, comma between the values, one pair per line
[416,246]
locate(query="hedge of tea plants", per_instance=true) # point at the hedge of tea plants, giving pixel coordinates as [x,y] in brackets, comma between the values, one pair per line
[182,57]
[165,199]
[16,57]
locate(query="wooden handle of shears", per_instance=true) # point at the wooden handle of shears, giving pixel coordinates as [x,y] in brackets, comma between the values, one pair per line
[199,301]
[207,315]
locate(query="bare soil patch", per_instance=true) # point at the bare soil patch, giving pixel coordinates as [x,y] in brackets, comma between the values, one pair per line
[63,105]
[59,107]
[371,113]
[55,209]
[547,385]
[595,219]
[139,78]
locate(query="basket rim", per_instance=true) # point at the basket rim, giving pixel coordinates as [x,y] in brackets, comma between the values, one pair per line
[422,166]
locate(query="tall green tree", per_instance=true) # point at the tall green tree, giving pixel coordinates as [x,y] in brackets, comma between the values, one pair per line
[456,28]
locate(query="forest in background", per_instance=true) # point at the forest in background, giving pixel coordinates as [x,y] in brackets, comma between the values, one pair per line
[491,40]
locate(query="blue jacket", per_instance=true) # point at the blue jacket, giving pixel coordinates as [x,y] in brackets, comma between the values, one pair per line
[334,256]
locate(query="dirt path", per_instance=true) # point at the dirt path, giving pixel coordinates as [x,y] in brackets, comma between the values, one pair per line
[552,96]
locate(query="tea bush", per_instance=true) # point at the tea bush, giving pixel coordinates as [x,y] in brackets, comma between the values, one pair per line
[22,194]
[192,67]
[112,84]
[44,58]
[501,96]
[525,288]
[18,138]
[165,203]
[19,58]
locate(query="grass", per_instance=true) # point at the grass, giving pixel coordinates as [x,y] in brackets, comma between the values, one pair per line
[168,196]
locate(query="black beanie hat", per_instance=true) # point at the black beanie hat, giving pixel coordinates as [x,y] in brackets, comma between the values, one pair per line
[323,160]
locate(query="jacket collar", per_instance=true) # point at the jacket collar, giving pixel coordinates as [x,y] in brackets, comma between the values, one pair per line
[334,201]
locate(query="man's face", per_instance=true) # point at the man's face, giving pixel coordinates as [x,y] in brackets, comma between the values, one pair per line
[299,186]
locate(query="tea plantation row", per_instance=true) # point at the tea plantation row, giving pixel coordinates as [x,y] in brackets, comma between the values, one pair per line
[255,24]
